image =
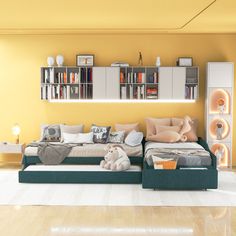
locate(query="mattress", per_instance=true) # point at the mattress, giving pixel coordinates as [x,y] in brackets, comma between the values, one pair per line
[75,168]
[181,152]
[92,150]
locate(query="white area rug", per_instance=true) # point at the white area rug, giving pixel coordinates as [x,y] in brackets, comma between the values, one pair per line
[14,193]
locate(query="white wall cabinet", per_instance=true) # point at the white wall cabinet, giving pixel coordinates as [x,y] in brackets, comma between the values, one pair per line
[165,82]
[106,83]
[179,81]
[172,82]
[99,83]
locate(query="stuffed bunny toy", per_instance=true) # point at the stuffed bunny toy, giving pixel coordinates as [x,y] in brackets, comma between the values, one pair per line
[116,159]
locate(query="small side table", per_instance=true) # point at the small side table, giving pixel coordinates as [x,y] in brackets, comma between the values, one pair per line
[11,148]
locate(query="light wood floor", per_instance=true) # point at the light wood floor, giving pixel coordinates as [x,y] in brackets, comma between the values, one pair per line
[59,220]
[106,221]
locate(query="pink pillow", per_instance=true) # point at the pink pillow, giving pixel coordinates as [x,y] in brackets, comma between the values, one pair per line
[192,134]
[161,128]
[151,122]
[167,136]
[127,127]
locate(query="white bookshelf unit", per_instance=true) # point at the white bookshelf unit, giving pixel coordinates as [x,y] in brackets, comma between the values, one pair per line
[66,83]
[219,111]
[146,83]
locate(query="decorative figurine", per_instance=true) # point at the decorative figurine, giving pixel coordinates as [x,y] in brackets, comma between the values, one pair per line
[221,105]
[140,59]
[60,60]
[158,62]
[50,61]
[219,154]
[219,130]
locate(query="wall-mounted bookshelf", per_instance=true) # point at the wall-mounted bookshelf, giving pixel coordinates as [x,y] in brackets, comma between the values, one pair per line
[66,83]
[119,83]
[139,83]
[192,83]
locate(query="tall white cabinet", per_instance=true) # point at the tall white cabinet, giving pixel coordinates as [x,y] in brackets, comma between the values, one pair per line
[219,110]
[106,83]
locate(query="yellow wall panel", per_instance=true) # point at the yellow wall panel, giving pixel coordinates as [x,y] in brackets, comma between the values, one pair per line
[22,55]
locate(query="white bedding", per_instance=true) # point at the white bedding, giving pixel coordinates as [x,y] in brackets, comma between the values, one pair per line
[184,145]
[74,168]
[187,154]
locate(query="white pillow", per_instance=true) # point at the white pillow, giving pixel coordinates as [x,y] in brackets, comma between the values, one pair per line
[69,138]
[134,138]
[85,137]
[78,138]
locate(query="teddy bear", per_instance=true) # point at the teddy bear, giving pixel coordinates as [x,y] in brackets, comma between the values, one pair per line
[170,135]
[116,159]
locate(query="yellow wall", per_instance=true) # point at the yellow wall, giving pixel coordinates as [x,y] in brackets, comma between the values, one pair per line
[22,55]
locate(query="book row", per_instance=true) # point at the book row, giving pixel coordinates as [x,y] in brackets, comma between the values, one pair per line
[85,75]
[82,91]
[138,77]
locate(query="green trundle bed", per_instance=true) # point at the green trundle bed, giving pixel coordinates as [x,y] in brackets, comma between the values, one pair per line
[184,177]
[81,169]
[86,169]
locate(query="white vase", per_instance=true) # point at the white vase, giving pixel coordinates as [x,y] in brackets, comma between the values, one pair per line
[60,60]
[158,61]
[50,61]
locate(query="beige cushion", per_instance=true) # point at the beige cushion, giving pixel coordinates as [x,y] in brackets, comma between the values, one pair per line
[161,128]
[151,122]
[72,129]
[127,127]
[192,134]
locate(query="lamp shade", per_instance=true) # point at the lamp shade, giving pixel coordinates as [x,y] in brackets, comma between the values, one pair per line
[16,129]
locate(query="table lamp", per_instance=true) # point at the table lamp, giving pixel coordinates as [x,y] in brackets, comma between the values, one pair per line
[16,132]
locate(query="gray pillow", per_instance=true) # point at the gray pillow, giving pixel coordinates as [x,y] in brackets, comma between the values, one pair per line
[72,129]
[116,137]
[134,138]
[51,133]
[100,133]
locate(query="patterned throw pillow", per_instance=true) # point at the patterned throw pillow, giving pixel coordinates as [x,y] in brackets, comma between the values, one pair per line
[116,137]
[100,133]
[51,133]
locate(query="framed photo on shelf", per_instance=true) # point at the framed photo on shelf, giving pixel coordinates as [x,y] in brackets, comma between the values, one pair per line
[84,60]
[185,61]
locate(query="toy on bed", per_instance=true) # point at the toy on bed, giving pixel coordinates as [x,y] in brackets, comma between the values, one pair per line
[116,159]
[172,134]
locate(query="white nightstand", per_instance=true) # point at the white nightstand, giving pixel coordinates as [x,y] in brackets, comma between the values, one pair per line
[12,148]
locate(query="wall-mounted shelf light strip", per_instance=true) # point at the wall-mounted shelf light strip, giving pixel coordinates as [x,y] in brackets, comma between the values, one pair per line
[122,101]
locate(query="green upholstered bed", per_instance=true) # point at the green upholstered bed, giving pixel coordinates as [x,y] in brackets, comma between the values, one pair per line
[186,178]
[194,178]
[33,173]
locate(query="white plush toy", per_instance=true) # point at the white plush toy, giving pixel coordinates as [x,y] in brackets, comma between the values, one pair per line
[116,159]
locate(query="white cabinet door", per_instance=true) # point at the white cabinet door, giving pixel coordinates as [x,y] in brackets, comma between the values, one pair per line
[112,83]
[220,74]
[165,82]
[99,82]
[179,79]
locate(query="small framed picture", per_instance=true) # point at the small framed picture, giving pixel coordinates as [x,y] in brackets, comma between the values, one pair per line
[185,61]
[84,60]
